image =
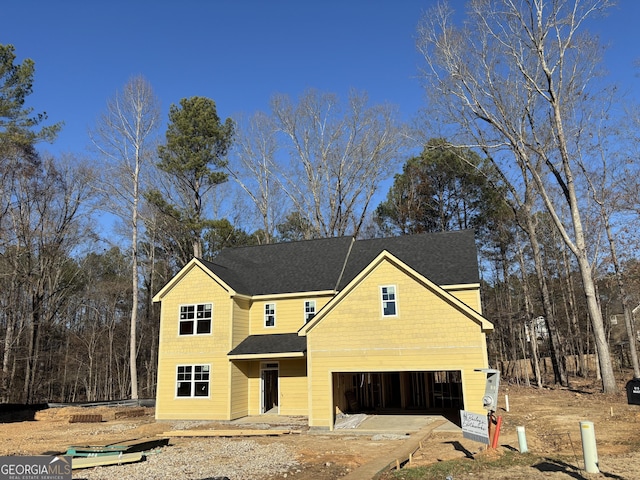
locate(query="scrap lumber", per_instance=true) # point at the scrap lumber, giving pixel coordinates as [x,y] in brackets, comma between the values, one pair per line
[85,418]
[88,462]
[226,433]
[127,446]
[95,450]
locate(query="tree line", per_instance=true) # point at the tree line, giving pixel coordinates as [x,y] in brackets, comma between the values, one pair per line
[520,140]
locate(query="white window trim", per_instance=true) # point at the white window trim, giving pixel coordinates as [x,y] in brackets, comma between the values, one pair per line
[264,312]
[395,300]
[304,310]
[195,320]
[193,373]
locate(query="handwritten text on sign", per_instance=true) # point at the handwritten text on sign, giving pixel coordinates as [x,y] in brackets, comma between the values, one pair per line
[475,426]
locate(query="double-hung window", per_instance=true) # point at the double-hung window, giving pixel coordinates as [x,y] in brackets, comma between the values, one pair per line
[389,306]
[192,381]
[269,314]
[309,310]
[195,319]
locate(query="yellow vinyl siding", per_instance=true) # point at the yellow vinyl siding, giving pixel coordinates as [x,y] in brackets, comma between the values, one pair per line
[239,383]
[289,314]
[470,297]
[293,387]
[194,288]
[254,387]
[239,392]
[239,323]
[428,333]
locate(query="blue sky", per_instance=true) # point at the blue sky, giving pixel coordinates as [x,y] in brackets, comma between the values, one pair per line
[238,52]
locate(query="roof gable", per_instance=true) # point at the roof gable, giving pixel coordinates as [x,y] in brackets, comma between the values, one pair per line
[386,256]
[194,263]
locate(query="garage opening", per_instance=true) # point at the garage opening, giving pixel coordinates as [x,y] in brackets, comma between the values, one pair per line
[415,392]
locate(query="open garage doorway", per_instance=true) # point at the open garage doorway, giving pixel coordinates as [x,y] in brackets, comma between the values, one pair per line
[414,392]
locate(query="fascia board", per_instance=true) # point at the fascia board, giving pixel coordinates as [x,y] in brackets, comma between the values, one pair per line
[283,296]
[264,356]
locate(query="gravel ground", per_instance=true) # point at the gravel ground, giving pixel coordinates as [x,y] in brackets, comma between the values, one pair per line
[204,459]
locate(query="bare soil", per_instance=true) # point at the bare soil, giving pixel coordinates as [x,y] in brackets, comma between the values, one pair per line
[550,416]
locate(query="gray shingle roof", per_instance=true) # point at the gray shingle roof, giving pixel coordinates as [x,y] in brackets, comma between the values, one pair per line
[288,267]
[269,344]
[445,258]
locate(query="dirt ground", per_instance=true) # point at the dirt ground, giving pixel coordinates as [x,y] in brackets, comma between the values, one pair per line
[550,416]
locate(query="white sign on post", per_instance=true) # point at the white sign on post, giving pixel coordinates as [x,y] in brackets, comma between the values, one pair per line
[475,426]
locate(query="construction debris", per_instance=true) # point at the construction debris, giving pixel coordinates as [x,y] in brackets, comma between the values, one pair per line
[227,433]
[85,419]
[118,459]
[127,446]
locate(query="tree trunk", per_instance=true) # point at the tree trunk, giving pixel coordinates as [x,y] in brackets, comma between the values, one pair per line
[32,347]
[559,370]
[528,302]
[600,339]
[580,244]
[133,341]
[509,308]
[622,289]
[6,357]
[577,337]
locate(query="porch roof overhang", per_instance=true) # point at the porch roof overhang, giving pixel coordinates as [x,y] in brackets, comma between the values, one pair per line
[280,345]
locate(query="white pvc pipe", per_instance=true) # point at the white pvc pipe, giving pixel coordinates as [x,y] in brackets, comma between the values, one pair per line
[506,402]
[522,440]
[589,450]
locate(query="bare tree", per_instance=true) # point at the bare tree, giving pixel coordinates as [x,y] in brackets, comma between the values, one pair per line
[124,135]
[257,172]
[603,179]
[49,220]
[514,78]
[339,155]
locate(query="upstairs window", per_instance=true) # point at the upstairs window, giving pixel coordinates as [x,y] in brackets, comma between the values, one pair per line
[309,310]
[196,319]
[193,381]
[269,314]
[388,294]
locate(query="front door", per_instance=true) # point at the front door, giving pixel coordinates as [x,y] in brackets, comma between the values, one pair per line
[269,388]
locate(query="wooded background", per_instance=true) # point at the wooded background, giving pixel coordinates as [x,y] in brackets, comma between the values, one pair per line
[522,140]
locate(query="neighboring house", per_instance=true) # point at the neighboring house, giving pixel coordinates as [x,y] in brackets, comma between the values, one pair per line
[618,328]
[320,327]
